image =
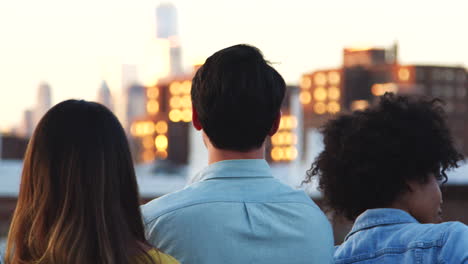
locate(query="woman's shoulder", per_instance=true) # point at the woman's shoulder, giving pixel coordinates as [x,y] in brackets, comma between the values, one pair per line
[162,258]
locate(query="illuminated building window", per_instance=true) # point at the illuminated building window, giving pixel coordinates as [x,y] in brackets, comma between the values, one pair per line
[142,128]
[320,79]
[277,153]
[320,94]
[305,97]
[290,153]
[186,87]
[148,155]
[359,105]
[161,142]
[333,107]
[320,108]
[175,88]
[161,127]
[334,78]
[305,82]
[152,93]
[148,142]
[152,107]
[161,154]
[334,93]
[403,74]
[186,101]
[175,102]
[380,89]
[187,115]
[175,115]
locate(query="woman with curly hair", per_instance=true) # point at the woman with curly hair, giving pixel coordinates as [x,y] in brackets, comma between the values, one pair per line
[78,199]
[381,168]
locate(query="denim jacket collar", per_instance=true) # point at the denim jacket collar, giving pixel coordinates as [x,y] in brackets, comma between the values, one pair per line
[381,216]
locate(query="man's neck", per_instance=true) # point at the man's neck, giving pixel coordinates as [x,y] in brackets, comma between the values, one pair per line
[216,155]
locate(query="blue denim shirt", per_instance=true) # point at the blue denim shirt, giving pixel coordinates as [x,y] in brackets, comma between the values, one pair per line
[238,213]
[394,236]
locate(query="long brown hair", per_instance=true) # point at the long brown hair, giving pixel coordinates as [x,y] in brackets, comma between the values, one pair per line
[78,199]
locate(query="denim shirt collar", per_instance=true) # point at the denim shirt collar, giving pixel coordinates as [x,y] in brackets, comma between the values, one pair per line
[242,168]
[381,216]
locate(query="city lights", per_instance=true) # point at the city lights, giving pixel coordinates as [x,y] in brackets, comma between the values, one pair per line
[320,94]
[161,127]
[320,79]
[320,108]
[152,93]
[334,78]
[305,83]
[380,89]
[334,93]
[161,142]
[284,141]
[403,74]
[152,107]
[359,105]
[305,97]
[180,102]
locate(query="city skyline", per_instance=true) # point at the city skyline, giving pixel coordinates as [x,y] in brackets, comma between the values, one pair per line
[75,46]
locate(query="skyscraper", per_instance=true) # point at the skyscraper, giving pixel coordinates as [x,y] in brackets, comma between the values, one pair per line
[166,28]
[104,96]
[43,103]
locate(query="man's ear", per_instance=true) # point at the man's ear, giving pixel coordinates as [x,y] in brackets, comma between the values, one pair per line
[276,124]
[195,121]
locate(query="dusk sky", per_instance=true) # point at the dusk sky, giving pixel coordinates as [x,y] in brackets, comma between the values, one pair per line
[74,45]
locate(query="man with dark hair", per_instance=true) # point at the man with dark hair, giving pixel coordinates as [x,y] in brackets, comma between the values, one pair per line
[236,212]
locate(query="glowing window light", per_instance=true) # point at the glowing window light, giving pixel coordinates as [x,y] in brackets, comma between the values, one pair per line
[320,94]
[152,93]
[281,138]
[186,87]
[320,108]
[162,154]
[161,127]
[161,142]
[334,93]
[359,105]
[175,115]
[403,74]
[175,102]
[320,79]
[175,88]
[187,115]
[274,139]
[133,129]
[333,107]
[306,82]
[185,101]
[288,139]
[148,155]
[290,153]
[152,107]
[148,142]
[305,97]
[277,153]
[380,89]
[334,78]
[148,128]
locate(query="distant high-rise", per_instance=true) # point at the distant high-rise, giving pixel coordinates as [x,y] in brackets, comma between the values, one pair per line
[43,103]
[166,21]
[104,96]
[135,104]
[166,28]
[27,128]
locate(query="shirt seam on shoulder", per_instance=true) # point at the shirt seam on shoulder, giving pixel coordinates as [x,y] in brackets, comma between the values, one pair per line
[208,202]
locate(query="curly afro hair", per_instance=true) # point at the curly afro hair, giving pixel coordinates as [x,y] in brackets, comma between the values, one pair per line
[370,155]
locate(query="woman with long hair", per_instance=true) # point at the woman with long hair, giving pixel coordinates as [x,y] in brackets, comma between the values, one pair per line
[78,199]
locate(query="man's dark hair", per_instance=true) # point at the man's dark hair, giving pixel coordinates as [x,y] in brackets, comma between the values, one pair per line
[370,155]
[237,96]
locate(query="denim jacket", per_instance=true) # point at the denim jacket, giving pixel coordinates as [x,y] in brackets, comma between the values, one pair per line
[394,236]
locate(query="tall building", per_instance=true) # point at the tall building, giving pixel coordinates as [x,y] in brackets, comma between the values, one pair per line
[166,28]
[104,96]
[368,73]
[43,103]
[135,104]
[27,127]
